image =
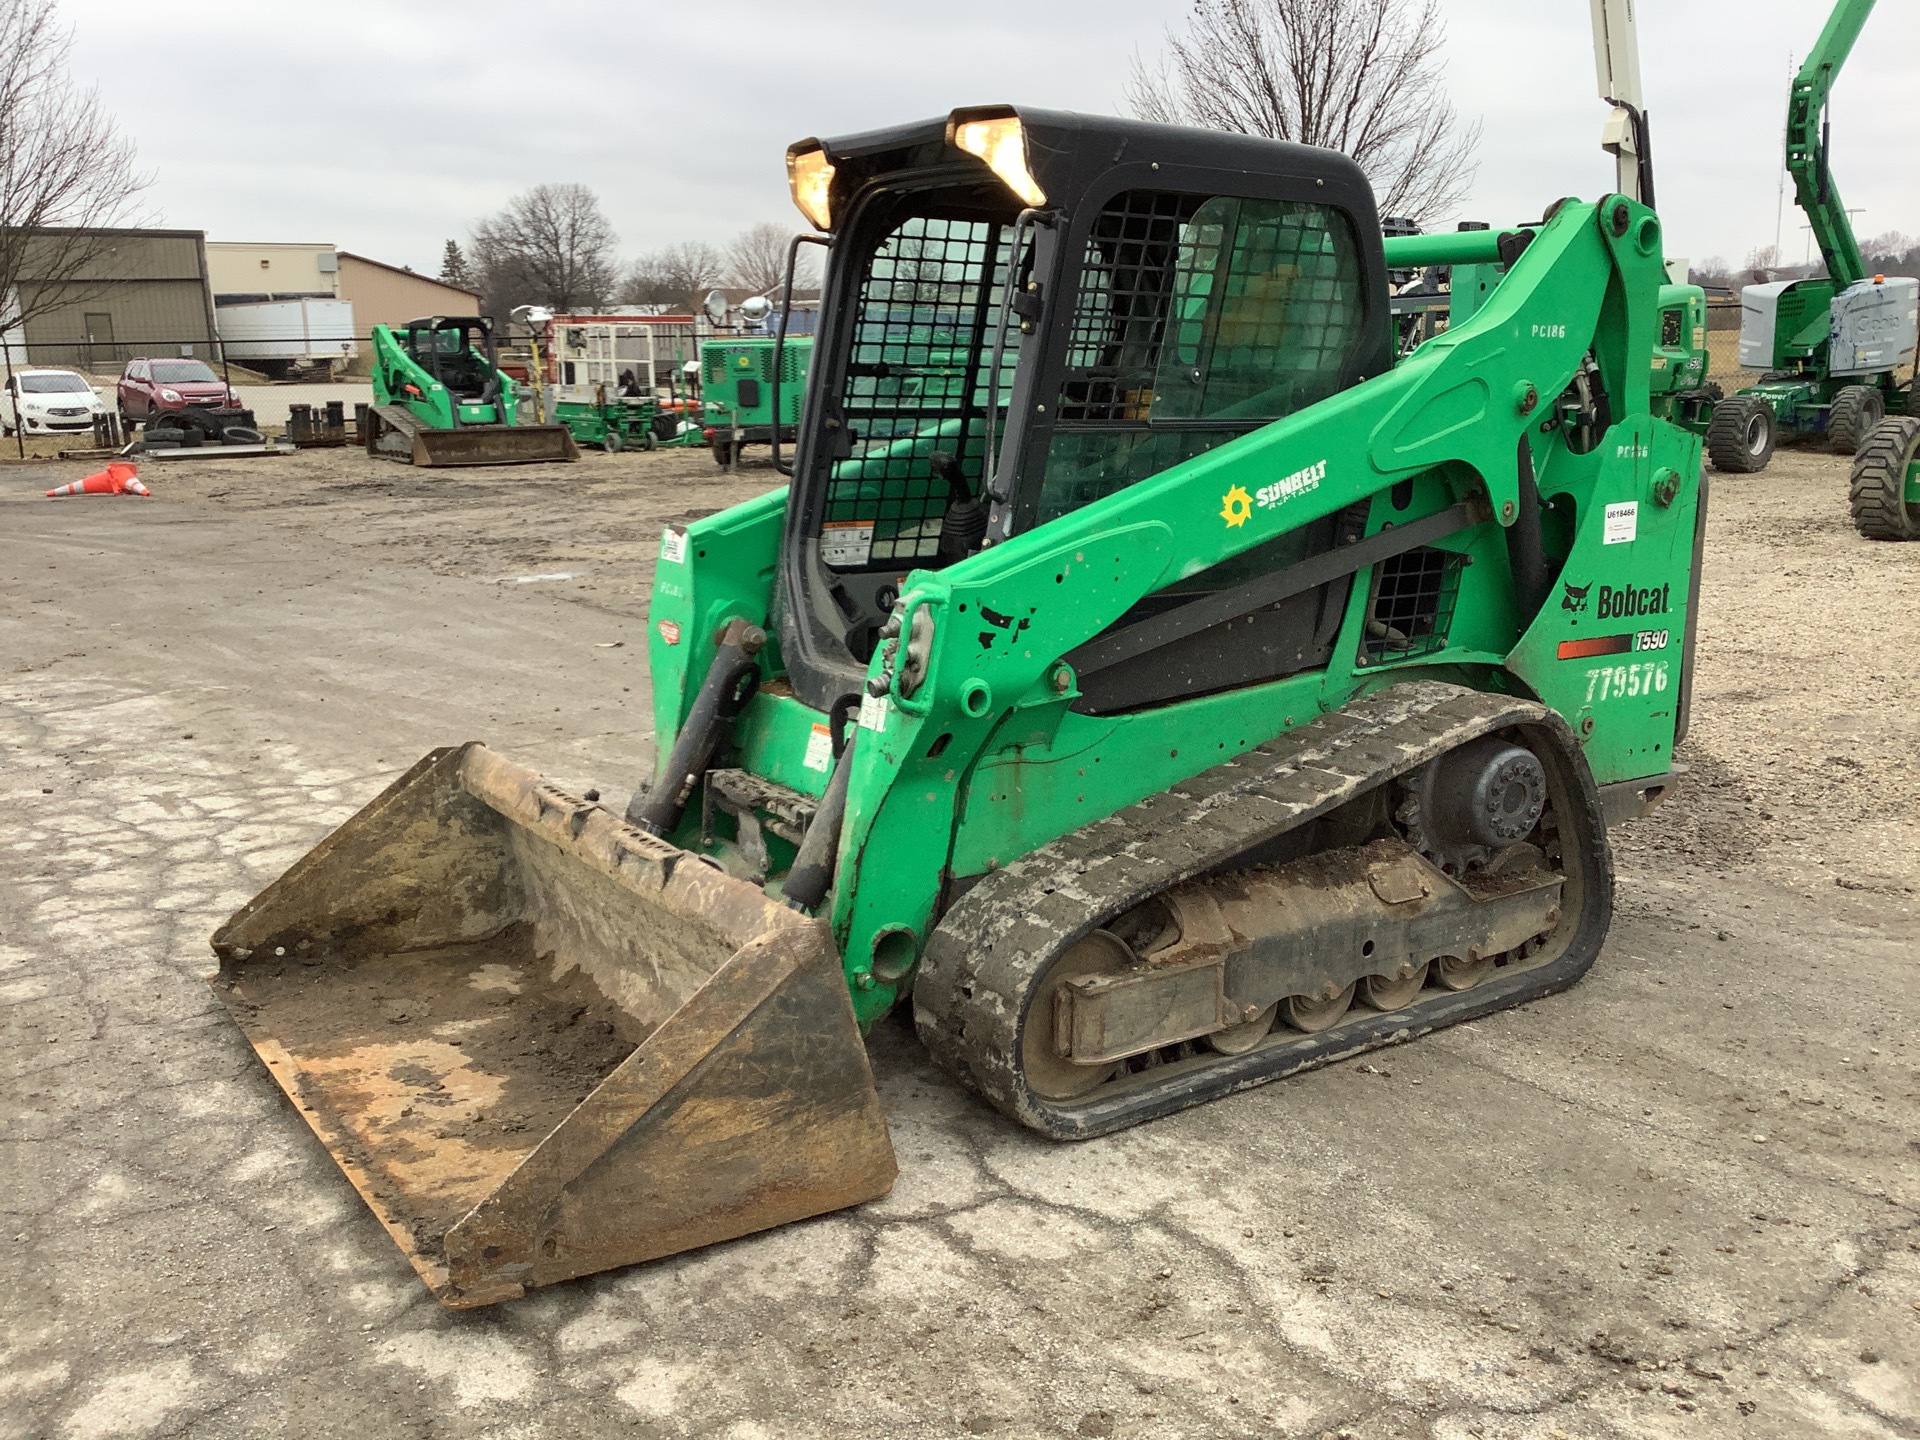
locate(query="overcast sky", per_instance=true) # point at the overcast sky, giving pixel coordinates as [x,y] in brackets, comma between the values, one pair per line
[385,129]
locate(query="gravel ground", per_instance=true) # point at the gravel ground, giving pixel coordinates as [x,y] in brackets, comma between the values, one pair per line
[1681,1200]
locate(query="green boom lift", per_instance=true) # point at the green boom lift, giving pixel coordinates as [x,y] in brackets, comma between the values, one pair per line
[1186,693]
[439,398]
[1831,348]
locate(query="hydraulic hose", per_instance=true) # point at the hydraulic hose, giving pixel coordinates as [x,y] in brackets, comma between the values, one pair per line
[731,681]
[813,866]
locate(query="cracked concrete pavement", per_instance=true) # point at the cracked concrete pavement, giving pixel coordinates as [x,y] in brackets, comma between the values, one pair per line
[1681,1200]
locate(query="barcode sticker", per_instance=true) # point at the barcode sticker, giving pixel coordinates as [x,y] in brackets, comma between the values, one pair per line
[846,542]
[1622,524]
[819,750]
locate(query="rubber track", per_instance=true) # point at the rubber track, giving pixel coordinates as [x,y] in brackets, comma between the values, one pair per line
[980,960]
[1877,493]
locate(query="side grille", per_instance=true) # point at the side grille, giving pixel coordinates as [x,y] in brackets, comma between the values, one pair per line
[1411,608]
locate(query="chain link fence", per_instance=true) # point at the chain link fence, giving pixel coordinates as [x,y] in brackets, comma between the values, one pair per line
[1723,347]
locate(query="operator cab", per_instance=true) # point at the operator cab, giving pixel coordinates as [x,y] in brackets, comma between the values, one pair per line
[1027,311]
[450,349]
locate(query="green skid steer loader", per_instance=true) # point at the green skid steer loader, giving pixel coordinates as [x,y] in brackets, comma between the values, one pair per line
[1187,695]
[439,398]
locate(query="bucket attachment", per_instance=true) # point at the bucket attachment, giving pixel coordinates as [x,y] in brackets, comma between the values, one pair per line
[542,1043]
[396,433]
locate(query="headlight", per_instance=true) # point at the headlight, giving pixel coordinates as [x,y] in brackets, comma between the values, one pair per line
[1002,143]
[810,177]
[172,397]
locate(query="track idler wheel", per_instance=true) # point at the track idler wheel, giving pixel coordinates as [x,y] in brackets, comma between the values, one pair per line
[1396,991]
[1454,972]
[1311,1014]
[1050,1074]
[1239,1039]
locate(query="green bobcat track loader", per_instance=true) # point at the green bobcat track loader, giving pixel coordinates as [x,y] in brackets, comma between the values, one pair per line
[440,398]
[1183,695]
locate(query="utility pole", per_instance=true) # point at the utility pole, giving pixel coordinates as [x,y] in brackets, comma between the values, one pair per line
[1780,205]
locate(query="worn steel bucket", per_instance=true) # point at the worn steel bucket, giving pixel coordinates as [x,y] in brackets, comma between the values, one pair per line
[542,1043]
[395,433]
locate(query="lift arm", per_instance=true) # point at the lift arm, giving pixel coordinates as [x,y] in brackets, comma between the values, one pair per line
[1808,137]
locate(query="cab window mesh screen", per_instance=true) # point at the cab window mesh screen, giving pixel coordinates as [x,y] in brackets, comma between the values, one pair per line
[916,384]
[1266,309]
[1120,314]
[1197,319]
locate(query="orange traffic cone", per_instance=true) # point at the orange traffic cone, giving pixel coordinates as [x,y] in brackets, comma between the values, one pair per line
[119,478]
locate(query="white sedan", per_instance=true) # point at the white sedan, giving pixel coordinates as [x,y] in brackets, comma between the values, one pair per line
[48,402]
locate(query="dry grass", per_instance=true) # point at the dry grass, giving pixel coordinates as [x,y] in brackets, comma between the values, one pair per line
[1723,361]
[41,447]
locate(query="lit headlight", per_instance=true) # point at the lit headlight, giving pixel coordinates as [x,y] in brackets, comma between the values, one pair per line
[1002,143]
[810,177]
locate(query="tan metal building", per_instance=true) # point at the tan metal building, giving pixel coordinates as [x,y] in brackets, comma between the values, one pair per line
[388,295]
[243,270]
[140,292]
[385,294]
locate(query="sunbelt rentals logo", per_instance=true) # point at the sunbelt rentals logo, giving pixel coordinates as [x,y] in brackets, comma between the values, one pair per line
[1301,482]
[1237,506]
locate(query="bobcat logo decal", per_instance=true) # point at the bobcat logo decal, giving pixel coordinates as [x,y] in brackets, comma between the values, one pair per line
[1575,600]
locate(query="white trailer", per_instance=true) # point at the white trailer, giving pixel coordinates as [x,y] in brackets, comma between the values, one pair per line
[275,336]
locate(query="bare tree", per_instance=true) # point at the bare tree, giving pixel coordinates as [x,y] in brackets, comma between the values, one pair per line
[1712,273]
[1894,253]
[757,259]
[1761,261]
[550,246]
[678,275]
[919,273]
[67,176]
[1359,76]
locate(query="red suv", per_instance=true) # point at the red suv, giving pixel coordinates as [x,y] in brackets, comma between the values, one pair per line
[153,387]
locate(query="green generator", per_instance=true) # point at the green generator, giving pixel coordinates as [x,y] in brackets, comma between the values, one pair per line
[737,380]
